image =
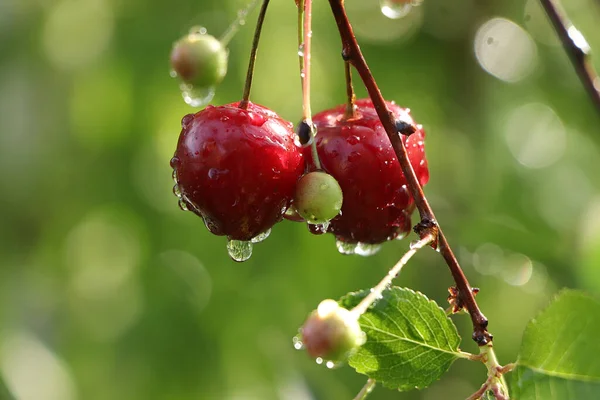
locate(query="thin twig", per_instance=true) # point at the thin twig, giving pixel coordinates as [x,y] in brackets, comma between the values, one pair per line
[352,53]
[576,47]
[247,86]
[368,388]
[376,292]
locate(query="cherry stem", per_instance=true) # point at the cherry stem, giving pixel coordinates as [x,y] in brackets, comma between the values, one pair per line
[235,25]
[351,53]
[385,283]
[351,97]
[248,85]
[576,47]
[306,51]
[366,390]
[304,54]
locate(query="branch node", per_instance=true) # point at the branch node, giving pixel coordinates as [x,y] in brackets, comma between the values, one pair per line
[428,227]
[405,128]
[346,54]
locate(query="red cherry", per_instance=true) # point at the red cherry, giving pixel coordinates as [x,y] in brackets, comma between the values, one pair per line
[237,168]
[358,153]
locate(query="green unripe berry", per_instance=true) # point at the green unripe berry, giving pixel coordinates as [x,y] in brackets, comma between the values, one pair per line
[318,197]
[331,332]
[199,59]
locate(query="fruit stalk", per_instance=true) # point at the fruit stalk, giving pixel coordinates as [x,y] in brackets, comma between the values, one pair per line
[351,52]
[248,85]
[235,25]
[385,283]
[351,97]
[576,47]
[368,388]
[304,52]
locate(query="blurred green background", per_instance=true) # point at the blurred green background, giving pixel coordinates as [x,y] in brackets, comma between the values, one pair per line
[109,291]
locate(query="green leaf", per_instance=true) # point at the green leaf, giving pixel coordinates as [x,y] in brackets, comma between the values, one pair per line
[559,357]
[410,340]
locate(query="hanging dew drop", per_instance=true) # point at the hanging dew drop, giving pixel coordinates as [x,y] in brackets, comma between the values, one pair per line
[301,50]
[298,345]
[318,229]
[239,250]
[174,176]
[177,191]
[331,364]
[345,247]
[319,360]
[367,249]
[395,9]
[261,236]
[173,73]
[401,235]
[183,205]
[196,97]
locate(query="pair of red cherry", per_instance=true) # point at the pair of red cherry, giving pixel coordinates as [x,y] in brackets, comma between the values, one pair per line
[238,169]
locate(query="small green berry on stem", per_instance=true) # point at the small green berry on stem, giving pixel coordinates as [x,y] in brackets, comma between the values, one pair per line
[331,332]
[318,197]
[199,59]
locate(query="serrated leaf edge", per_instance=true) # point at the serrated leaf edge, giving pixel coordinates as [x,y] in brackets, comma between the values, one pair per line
[402,388]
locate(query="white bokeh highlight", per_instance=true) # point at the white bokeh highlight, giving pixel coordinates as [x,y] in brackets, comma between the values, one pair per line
[32,371]
[505,50]
[535,135]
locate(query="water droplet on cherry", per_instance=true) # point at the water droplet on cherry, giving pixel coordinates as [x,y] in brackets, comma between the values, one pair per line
[261,236]
[396,9]
[239,250]
[345,247]
[298,345]
[183,205]
[367,249]
[318,229]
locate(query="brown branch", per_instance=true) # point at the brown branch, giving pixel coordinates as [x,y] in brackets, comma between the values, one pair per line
[576,47]
[351,53]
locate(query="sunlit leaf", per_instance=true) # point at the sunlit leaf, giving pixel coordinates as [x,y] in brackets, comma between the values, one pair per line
[559,354]
[410,340]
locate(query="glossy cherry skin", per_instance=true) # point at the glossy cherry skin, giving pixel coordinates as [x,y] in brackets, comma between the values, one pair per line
[237,168]
[357,152]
